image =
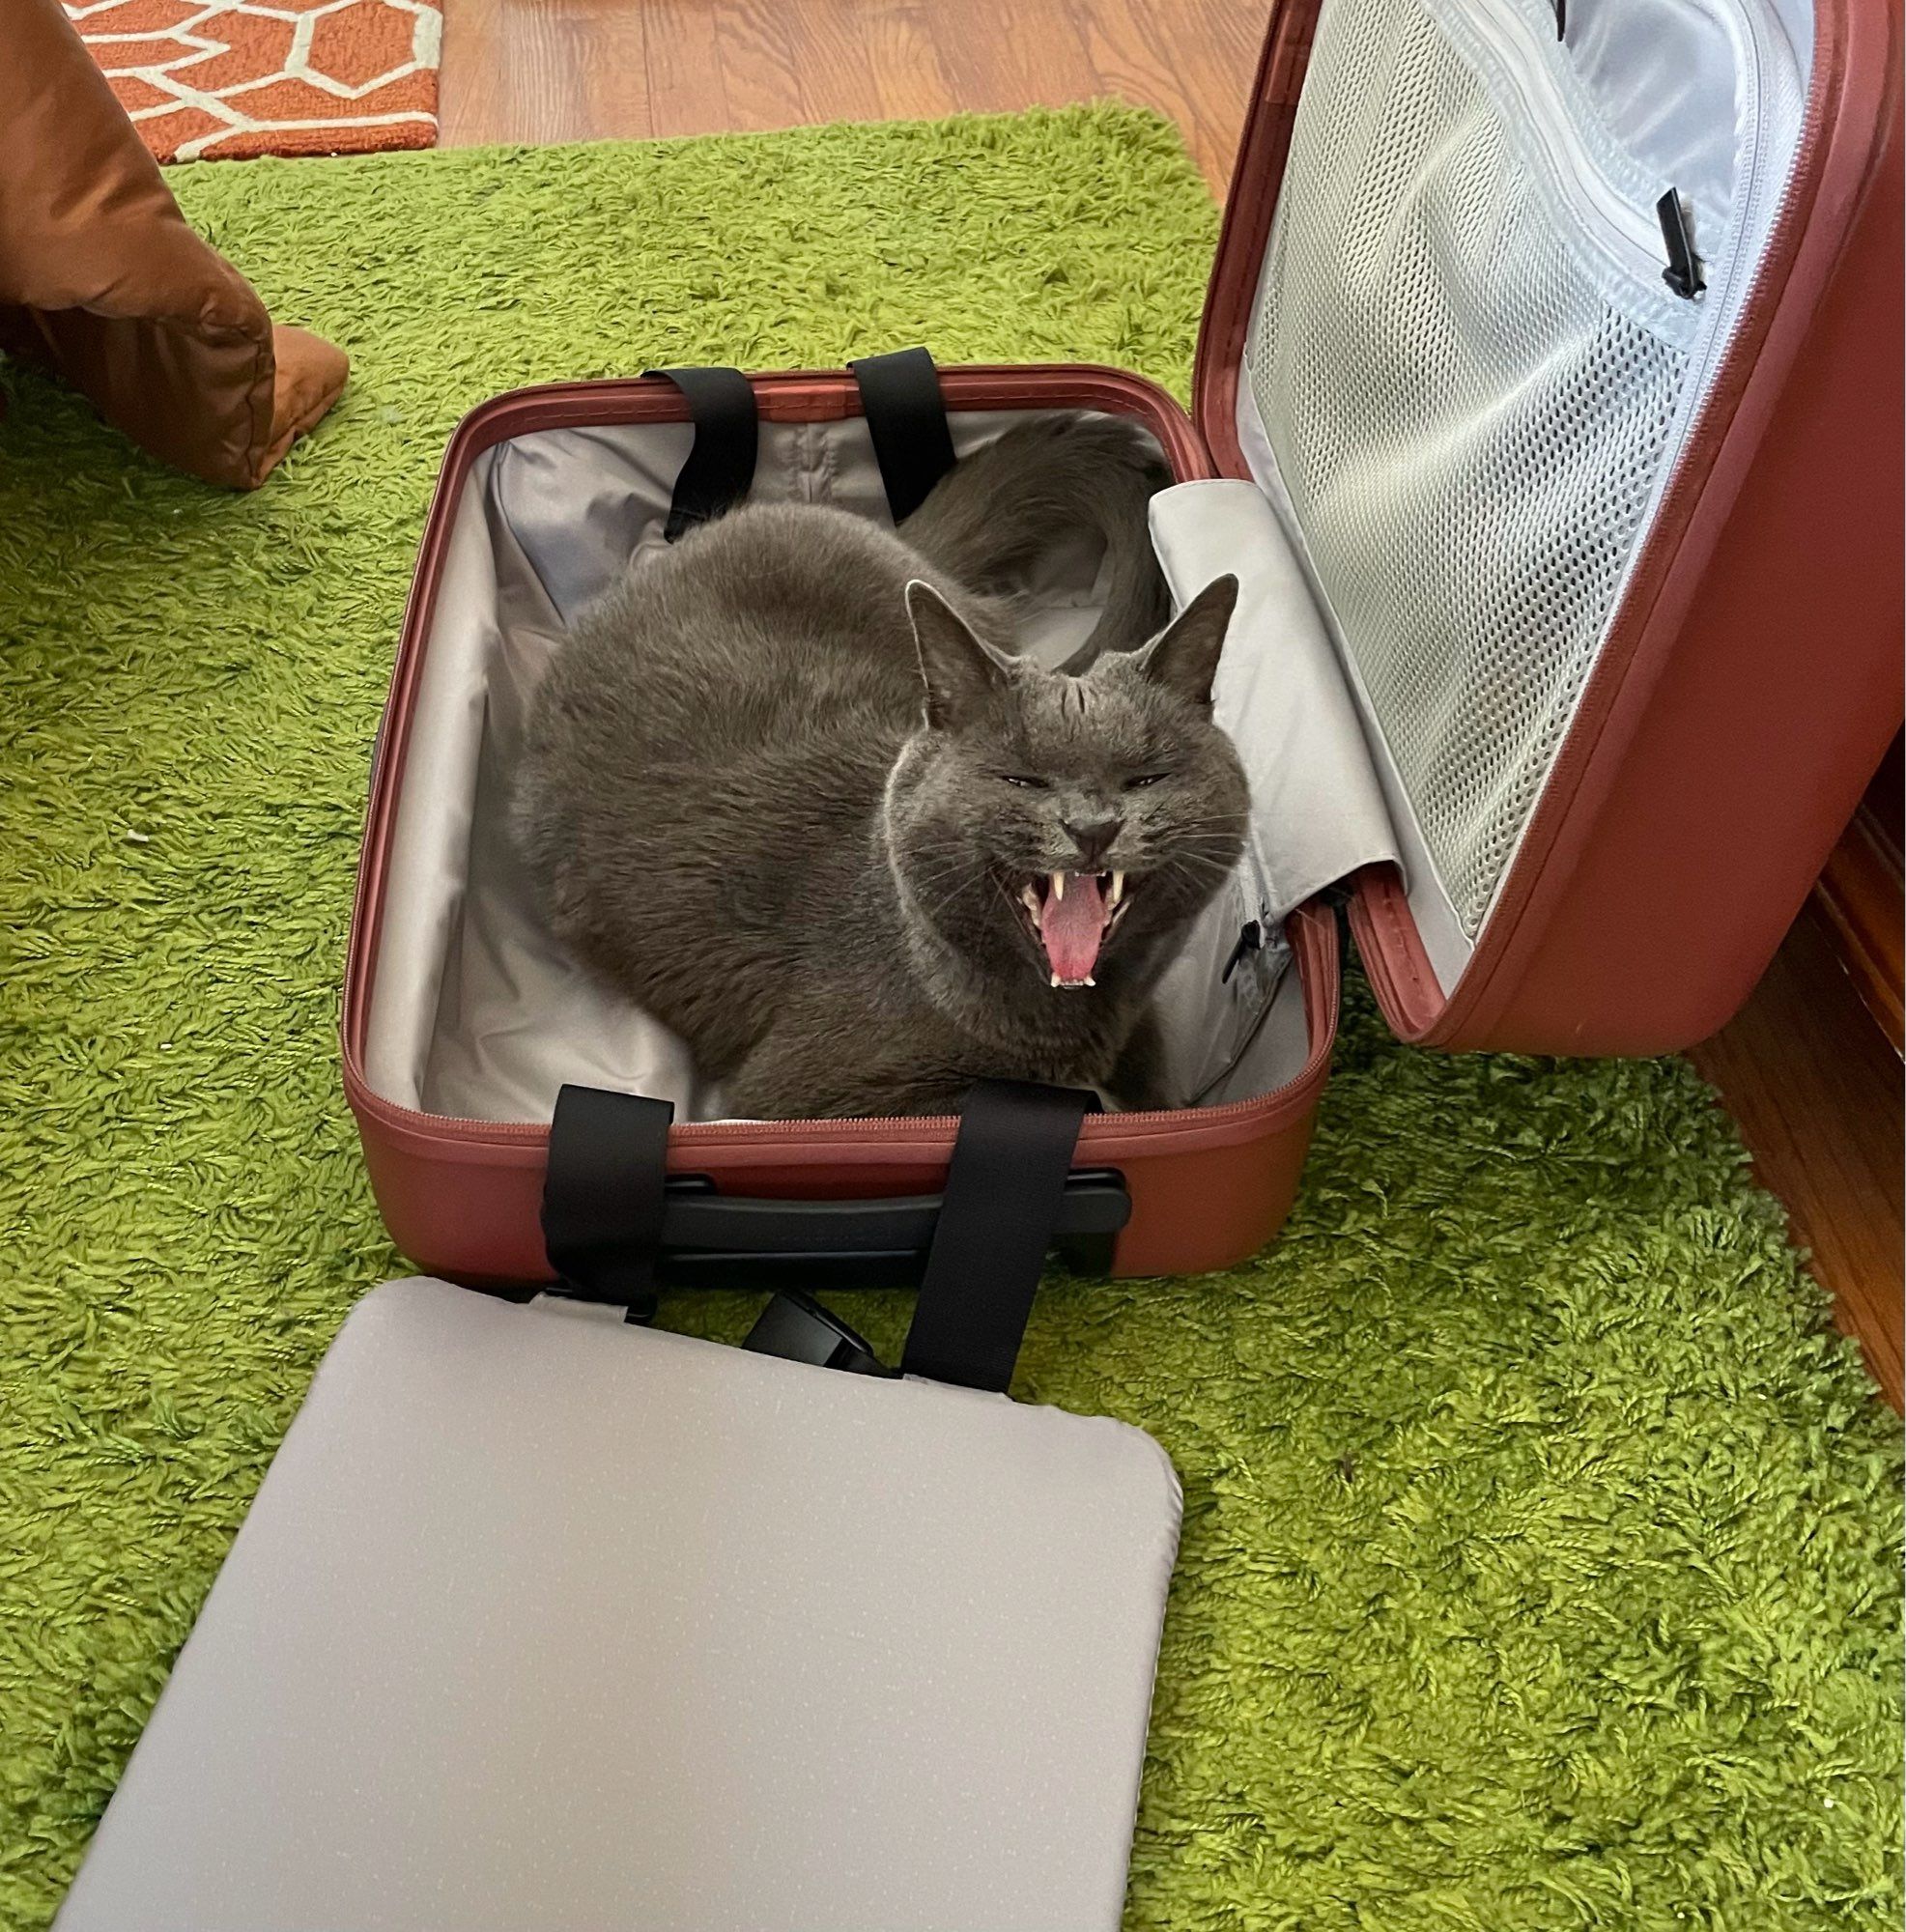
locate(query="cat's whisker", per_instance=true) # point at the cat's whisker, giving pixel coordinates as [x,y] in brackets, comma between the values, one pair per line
[934,908]
[974,876]
[932,877]
[933,874]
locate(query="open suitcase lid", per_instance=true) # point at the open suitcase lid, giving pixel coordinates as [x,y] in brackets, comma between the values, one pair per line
[1562,344]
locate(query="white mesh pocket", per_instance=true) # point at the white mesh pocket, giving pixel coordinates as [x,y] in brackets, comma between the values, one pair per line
[1469,409]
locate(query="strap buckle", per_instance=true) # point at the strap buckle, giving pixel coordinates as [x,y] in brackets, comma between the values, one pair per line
[796,1327]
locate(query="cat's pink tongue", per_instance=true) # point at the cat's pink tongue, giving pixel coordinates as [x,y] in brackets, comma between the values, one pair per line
[1072,926]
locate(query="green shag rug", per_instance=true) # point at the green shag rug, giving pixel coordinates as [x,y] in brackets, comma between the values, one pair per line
[1541,1561]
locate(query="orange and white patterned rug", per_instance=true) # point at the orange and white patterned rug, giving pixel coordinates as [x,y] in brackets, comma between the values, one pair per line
[225,79]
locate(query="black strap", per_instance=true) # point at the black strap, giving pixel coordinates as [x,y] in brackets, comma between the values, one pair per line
[997,1217]
[603,1195]
[907,418]
[720,471]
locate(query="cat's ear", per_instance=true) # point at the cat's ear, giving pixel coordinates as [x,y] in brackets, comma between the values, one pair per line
[1184,658]
[960,672]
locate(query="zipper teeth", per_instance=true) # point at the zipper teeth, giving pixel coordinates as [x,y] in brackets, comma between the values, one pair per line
[1720,302]
[532,1130]
[856,1128]
[1631,232]
[1741,254]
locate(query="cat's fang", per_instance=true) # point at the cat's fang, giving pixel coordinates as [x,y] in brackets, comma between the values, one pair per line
[1117,890]
[1059,884]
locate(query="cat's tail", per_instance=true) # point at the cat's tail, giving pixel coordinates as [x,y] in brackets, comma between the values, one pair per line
[996,513]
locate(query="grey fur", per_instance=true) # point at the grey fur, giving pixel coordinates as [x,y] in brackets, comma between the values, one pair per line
[737,813]
[1006,505]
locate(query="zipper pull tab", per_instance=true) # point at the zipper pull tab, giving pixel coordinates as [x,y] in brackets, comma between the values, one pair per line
[1561,19]
[1683,274]
[1251,940]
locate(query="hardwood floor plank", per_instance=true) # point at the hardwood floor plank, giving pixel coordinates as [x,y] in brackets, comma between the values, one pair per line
[1190,59]
[543,70]
[474,93]
[607,44]
[1002,57]
[686,85]
[831,45]
[910,72]
[1861,893]
[1815,1090]
[580,70]
[755,50]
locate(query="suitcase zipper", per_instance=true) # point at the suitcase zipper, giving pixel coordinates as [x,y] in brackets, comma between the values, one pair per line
[1638,237]
[1684,272]
[531,1131]
[527,1130]
[1747,238]
[1629,233]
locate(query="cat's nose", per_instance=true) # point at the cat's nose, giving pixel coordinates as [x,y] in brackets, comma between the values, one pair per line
[1093,841]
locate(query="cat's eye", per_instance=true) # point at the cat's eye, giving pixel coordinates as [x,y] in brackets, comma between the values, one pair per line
[1145,779]
[1025,781]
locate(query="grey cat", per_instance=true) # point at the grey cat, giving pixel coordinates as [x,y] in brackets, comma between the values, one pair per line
[787,788]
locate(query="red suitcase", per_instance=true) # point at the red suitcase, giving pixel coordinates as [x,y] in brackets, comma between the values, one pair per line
[1554,363]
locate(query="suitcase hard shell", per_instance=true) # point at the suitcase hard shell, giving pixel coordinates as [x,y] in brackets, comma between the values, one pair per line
[461,1195]
[1746,680]
[1560,373]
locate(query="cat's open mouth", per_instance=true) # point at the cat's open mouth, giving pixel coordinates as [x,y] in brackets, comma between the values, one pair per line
[1071,915]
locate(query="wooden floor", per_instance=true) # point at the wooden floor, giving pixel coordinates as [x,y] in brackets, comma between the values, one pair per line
[1815,1086]
[1805,1071]
[581,69]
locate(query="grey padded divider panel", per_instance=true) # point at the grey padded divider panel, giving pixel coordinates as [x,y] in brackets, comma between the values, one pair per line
[543,1621]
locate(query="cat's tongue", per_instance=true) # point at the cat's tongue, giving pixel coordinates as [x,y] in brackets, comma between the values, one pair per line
[1071,925]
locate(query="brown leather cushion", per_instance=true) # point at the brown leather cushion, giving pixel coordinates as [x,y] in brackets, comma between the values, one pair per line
[103,281]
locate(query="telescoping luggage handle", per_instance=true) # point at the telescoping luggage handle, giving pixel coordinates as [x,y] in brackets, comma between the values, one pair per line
[617,1228]
[906,416]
